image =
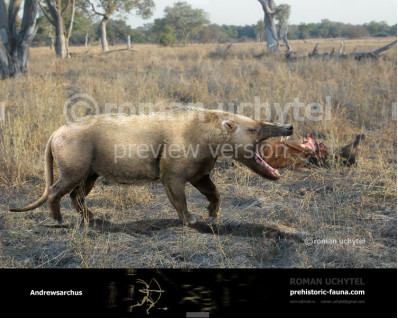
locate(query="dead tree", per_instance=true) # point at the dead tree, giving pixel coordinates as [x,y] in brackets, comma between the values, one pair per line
[356,55]
[373,54]
[271,36]
[56,16]
[15,40]
[286,41]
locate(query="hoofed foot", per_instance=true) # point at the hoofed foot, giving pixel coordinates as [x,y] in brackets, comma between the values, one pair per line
[189,220]
[211,220]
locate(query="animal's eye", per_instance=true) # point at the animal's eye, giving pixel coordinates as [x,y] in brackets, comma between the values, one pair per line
[252,130]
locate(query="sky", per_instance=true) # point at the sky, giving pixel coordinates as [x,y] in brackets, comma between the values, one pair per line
[242,12]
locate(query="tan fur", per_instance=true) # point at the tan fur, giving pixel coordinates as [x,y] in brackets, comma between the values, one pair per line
[84,152]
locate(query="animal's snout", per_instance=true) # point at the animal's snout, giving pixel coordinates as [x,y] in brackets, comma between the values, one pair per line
[287,129]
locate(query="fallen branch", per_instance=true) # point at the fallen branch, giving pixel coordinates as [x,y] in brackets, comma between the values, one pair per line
[374,54]
[114,51]
[101,53]
[355,55]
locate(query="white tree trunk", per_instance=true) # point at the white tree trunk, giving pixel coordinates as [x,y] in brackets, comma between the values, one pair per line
[285,39]
[128,42]
[270,28]
[104,41]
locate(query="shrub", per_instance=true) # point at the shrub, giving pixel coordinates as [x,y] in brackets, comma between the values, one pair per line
[167,38]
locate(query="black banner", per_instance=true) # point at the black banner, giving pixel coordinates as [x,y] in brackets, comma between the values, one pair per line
[199,293]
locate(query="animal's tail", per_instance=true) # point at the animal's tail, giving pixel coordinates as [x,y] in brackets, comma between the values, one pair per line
[358,139]
[349,152]
[48,168]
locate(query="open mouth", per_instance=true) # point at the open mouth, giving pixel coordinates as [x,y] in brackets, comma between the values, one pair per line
[259,160]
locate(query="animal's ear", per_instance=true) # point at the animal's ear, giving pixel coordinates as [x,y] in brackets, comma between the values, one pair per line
[229,126]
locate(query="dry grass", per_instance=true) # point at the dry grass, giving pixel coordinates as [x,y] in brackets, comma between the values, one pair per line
[263,224]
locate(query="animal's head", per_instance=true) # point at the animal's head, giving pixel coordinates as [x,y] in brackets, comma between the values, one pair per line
[245,137]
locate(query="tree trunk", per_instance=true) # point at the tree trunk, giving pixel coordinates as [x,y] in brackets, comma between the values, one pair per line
[284,34]
[61,43]
[288,48]
[14,43]
[52,42]
[128,42]
[56,18]
[104,41]
[86,41]
[270,28]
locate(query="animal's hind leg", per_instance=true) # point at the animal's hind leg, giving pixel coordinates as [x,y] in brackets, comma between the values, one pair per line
[79,194]
[56,192]
[207,188]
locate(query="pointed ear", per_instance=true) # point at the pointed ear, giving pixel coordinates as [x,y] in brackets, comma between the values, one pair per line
[229,126]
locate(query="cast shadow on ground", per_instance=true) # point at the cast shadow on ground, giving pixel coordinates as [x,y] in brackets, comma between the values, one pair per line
[148,227]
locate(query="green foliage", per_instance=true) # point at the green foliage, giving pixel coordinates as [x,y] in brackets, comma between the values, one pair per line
[167,37]
[209,34]
[184,24]
[117,31]
[83,25]
[330,29]
[260,30]
[231,31]
[142,8]
[156,29]
[184,19]
[282,17]
[44,29]
[240,32]
[304,30]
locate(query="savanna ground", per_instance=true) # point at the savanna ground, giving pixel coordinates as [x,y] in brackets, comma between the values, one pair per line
[263,224]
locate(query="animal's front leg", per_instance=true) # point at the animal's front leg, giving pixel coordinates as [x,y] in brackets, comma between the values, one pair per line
[175,190]
[207,188]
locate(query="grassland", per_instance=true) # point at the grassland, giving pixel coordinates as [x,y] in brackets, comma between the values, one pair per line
[263,224]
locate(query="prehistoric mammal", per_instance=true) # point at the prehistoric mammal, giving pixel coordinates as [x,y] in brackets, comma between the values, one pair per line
[173,147]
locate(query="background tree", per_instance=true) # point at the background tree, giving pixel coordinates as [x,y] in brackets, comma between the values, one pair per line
[271,35]
[16,37]
[167,37]
[107,8]
[184,19]
[336,29]
[323,28]
[117,31]
[84,29]
[260,30]
[231,31]
[209,34]
[45,32]
[56,11]
[282,15]
[356,31]
[304,30]
[156,29]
